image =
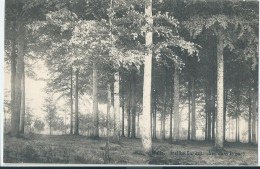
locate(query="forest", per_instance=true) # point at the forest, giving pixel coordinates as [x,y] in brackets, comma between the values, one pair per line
[159,82]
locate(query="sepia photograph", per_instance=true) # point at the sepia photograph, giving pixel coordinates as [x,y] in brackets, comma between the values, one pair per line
[130,82]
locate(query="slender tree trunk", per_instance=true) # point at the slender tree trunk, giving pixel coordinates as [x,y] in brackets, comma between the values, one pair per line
[193,117]
[5,125]
[116,107]
[206,117]
[213,112]
[238,129]
[164,113]
[95,101]
[15,118]
[107,123]
[151,122]
[171,113]
[189,112]
[76,129]
[224,115]
[13,74]
[147,85]
[209,116]
[71,101]
[133,104]
[249,115]
[123,116]
[176,104]
[220,90]
[23,103]
[254,111]
[154,120]
[237,116]
[129,114]
[161,129]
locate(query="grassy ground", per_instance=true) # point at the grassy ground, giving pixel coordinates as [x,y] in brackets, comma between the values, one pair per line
[85,150]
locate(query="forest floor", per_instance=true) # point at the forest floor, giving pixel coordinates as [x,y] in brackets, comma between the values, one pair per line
[64,149]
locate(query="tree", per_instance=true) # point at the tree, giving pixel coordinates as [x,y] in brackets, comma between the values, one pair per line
[50,108]
[146,123]
[39,125]
[76,127]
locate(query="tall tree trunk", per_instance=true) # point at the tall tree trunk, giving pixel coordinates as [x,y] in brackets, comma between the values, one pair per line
[107,123]
[71,101]
[147,85]
[76,129]
[238,129]
[154,120]
[23,102]
[133,104]
[213,112]
[138,129]
[129,114]
[249,115]
[189,112]
[13,74]
[176,104]
[95,101]
[254,111]
[224,115]
[209,116]
[206,116]
[116,108]
[15,118]
[220,90]
[171,112]
[237,116]
[123,116]
[164,113]
[193,117]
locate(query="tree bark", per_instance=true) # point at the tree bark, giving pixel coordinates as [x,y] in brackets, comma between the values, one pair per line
[129,114]
[209,116]
[13,75]
[213,111]
[189,112]
[164,113]
[238,129]
[249,115]
[176,104]
[146,123]
[220,90]
[123,116]
[254,111]
[116,108]
[206,114]
[171,113]
[23,102]
[193,117]
[133,104]
[76,129]
[71,101]
[15,118]
[95,101]
[154,120]
[224,115]
[107,123]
